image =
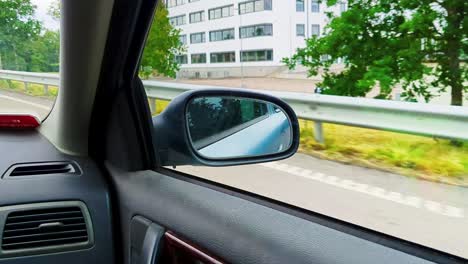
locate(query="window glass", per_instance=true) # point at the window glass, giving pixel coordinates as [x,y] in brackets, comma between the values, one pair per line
[177,20]
[257,55]
[197,17]
[172,3]
[182,59]
[249,7]
[254,6]
[197,38]
[359,160]
[224,34]
[217,13]
[300,30]
[258,6]
[220,12]
[29,56]
[223,57]
[256,31]
[227,11]
[300,5]
[315,5]
[198,58]
[315,30]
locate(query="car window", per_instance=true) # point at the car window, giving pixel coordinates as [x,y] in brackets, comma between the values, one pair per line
[380,91]
[29,56]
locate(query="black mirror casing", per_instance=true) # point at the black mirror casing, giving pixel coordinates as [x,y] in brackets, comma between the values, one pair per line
[171,139]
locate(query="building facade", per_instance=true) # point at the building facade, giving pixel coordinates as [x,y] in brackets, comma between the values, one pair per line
[231,38]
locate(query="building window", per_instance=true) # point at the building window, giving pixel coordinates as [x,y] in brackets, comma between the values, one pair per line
[198,58]
[223,34]
[299,5]
[300,30]
[315,30]
[254,6]
[181,59]
[256,55]
[315,6]
[197,38]
[183,39]
[343,6]
[223,57]
[177,20]
[196,17]
[256,31]
[172,3]
[220,12]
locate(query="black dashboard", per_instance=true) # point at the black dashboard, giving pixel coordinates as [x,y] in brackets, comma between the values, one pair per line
[54,208]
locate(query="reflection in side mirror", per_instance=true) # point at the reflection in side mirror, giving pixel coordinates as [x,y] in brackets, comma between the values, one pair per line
[236,127]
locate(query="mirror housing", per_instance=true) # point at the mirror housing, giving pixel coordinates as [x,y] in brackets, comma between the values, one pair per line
[171,135]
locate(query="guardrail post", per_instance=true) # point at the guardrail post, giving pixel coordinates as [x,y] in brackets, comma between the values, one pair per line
[152,104]
[318,132]
[46,89]
[26,86]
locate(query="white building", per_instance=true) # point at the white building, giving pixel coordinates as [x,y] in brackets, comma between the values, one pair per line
[227,38]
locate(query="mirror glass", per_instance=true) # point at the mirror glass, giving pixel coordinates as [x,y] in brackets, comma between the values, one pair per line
[237,127]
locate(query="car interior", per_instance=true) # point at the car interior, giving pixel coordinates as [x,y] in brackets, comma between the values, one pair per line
[94,183]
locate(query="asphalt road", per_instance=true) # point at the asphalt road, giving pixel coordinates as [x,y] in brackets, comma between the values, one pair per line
[12,102]
[432,214]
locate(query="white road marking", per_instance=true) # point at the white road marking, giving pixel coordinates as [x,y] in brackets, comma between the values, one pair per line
[411,201]
[25,102]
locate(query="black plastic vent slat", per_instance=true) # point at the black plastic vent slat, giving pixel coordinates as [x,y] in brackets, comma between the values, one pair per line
[45,215]
[44,211]
[42,169]
[37,230]
[43,243]
[44,227]
[42,236]
[65,220]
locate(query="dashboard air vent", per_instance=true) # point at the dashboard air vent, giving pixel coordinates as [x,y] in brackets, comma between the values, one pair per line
[32,169]
[45,227]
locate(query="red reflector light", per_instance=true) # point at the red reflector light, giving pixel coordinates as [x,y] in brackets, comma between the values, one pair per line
[18,121]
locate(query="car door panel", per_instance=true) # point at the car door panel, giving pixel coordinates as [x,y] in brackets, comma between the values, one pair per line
[237,230]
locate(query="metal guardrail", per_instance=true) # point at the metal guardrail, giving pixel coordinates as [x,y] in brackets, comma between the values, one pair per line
[414,118]
[45,79]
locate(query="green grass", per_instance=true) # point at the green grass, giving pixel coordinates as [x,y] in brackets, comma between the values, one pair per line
[423,157]
[33,89]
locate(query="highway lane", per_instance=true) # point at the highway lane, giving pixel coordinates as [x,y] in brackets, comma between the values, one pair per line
[432,214]
[12,102]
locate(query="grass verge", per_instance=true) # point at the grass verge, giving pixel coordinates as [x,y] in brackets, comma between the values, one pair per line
[32,89]
[432,159]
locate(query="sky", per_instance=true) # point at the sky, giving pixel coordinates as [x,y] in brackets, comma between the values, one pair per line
[41,13]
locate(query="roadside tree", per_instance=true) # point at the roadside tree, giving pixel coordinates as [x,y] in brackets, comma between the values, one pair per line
[418,44]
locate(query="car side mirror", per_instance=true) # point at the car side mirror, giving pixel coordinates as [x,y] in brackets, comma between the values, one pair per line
[219,127]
